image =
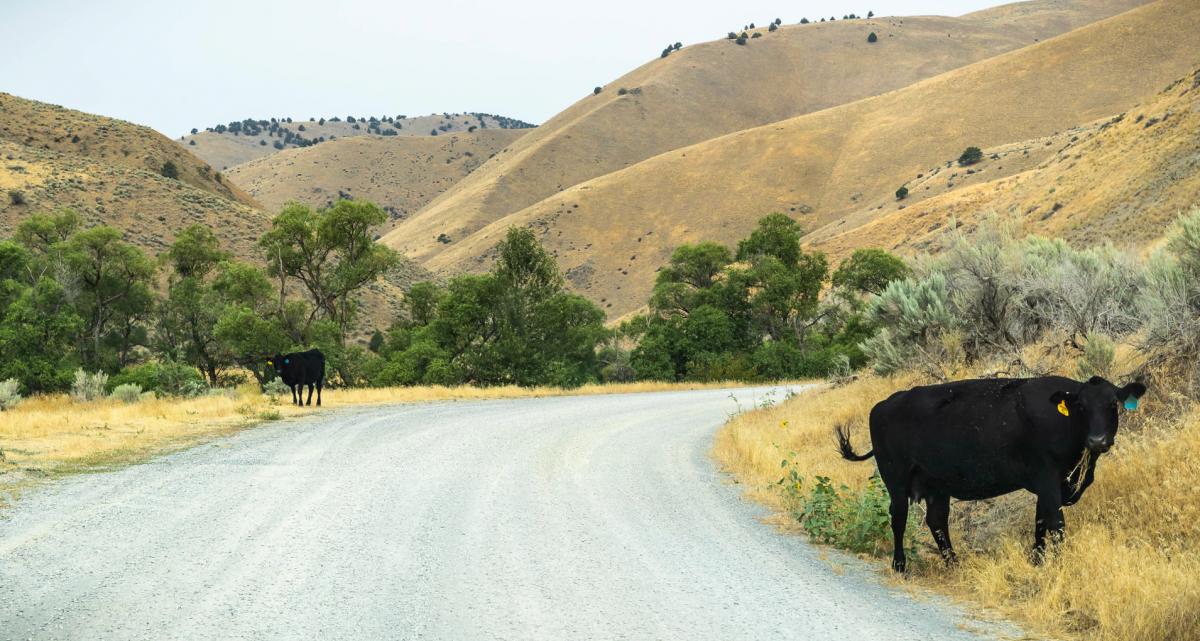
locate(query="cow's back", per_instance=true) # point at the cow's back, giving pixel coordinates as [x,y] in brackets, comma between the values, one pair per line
[951,430]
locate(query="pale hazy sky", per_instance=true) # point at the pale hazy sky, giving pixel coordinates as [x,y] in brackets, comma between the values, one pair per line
[176,65]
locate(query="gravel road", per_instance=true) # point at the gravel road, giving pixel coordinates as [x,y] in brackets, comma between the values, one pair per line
[595,517]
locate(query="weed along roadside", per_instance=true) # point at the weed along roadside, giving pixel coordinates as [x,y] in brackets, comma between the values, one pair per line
[1127,567]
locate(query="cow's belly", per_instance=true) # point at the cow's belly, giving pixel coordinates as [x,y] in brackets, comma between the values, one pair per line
[967,478]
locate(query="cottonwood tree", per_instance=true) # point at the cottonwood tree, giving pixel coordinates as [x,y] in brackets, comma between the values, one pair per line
[331,253]
[110,280]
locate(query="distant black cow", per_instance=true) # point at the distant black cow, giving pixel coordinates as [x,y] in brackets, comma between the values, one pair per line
[299,369]
[978,439]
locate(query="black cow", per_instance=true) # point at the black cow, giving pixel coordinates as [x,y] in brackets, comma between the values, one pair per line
[978,439]
[299,369]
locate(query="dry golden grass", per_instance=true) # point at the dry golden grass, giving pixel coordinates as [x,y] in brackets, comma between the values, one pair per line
[711,89]
[149,208]
[399,173]
[106,140]
[1122,181]
[611,233]
[1129,569]
[55,435]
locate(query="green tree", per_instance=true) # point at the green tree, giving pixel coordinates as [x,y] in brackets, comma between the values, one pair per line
[189,313]
[169,170]
[113,279]
[970,156]
[331,252]
[902,193]
[872,38]
[777,236]
[868,271]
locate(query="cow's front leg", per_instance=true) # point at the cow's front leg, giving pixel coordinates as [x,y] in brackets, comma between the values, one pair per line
[296,394]
[1050,522]
[310,393]
[937,517]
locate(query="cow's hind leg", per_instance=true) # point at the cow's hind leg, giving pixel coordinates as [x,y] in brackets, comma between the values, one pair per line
[320,384]
[310,393]
[937,517]
[295,398]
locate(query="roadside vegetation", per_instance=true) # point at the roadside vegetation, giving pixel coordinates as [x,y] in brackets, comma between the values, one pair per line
[997,305]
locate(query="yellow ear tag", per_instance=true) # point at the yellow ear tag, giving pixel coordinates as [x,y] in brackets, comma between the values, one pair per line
[272,364]
[1062,408]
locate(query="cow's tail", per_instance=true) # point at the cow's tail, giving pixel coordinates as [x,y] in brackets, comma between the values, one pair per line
[843,438]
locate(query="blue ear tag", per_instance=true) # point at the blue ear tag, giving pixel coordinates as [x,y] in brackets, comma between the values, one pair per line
[1131,403]
[288,360]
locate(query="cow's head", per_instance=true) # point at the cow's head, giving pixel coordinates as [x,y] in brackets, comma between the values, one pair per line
[1097,403]
[278,362]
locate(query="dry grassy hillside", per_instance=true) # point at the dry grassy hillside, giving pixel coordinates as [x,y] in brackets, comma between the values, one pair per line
[715,88]
[224,148]
[612,233]
[399,173]
[114,142]
[149,208]
[1123,181]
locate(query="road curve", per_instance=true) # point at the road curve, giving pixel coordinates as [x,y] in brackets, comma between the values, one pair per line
[592,517]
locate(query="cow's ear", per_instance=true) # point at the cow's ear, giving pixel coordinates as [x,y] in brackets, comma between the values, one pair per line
[1096,380]
[1130,394]
[1062,401]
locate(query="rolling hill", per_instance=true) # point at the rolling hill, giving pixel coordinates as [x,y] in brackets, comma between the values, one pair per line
[30,123]
[109,171]
[225,146]
[716,88]
[399,173]
[839,167]
[1124,181]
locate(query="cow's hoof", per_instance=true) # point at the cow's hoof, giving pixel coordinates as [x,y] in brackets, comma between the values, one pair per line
[898,565]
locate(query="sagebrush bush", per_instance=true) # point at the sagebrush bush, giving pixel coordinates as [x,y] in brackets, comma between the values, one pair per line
[913,315]
[10,393]
[275,387]
[88,387]
[1099,356]
[991,294]
[1168,303]
[127,393]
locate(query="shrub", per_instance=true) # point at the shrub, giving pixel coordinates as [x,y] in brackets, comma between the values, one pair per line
[914,316]
[16,196]
[127,393]
[169,170]
[855,520]
[88,387]
[596,91]
[872,38]
[732,36]
[803,20]
[622,91]
[275,387]
[741,40]
[10,394]
[167,378]
[1169,300]
[970,156]
[902,193]
[757,34]
[1078,292]
[773,27]
[1098,357]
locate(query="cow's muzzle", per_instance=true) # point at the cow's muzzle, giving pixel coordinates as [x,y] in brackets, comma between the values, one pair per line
[1098,445]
